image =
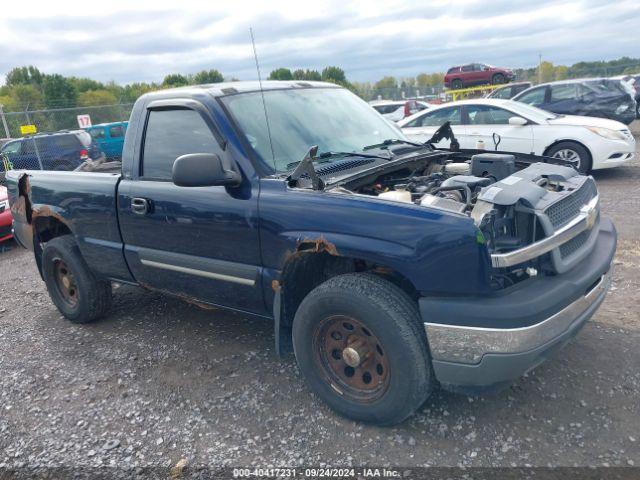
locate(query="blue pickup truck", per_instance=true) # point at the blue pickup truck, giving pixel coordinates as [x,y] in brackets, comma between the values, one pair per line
[387,267]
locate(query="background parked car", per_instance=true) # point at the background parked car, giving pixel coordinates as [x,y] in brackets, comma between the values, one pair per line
[476,74]
[592,143]
[594,97]
[633,84]
[509,91]
[64,150]
[397,110]
[5,215]
[109,137]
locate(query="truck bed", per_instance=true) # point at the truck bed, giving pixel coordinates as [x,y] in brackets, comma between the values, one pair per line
[81,202]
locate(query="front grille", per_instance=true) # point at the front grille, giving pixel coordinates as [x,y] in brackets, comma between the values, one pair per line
[568,208]
[572,246]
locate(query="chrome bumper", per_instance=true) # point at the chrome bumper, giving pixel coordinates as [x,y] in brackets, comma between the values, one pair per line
[460,344]
[585,220]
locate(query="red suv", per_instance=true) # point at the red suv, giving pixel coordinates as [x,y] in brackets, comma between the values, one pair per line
[476,74]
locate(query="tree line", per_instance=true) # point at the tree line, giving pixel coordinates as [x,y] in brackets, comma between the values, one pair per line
[27,88]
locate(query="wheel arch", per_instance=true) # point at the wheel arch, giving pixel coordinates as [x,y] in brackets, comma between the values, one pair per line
[310,265]
[46,228]
[571,140]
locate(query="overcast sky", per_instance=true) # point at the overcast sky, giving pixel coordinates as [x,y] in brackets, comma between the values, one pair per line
[144,40]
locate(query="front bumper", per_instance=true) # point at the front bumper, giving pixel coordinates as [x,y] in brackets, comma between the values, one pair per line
[483,342]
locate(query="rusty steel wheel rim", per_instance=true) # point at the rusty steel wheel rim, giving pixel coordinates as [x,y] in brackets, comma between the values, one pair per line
[65,282]
[351,358]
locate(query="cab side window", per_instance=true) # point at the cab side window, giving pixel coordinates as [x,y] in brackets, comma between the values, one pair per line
[116,131]
[170,134]
[534,97]
[437,117]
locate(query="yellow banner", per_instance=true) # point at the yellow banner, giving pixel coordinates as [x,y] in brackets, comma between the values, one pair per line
[27,129]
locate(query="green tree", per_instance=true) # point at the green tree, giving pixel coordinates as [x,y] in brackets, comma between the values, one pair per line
[546,71]
[85,84]
[208,76]
[21,97]
[132,91]
[174,80]
[96,97]
[422,80]
[334,75]
[281,74]
[24,76]
[58,92]
[363,89]
[561,72]
[299,74]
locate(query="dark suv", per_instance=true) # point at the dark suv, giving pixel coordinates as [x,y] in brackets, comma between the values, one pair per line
[64,150]
[475,74]
[591,97]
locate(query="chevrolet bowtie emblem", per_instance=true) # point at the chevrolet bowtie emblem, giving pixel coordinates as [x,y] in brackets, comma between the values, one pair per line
[591,213]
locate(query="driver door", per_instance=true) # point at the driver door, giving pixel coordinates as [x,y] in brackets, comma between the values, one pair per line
[198,242]
[485,120]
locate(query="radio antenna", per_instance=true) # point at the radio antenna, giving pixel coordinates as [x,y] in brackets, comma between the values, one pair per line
[264,104]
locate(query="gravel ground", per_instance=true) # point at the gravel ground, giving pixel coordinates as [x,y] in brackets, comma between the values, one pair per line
[161,380]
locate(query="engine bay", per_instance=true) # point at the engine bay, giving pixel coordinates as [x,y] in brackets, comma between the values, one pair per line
[512,208]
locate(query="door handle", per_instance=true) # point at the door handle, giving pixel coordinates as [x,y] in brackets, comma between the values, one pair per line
[140,206]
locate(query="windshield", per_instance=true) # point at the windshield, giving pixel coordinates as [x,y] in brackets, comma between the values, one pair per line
[332,118]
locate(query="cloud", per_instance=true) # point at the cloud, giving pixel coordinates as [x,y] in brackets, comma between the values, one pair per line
[145,40]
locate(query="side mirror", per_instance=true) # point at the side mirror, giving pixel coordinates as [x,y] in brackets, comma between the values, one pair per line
[202,170]
[517,121]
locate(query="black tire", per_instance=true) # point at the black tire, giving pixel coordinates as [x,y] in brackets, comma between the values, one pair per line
[82,299]
[561,150]
[457,84]
[385,313]
[497,79]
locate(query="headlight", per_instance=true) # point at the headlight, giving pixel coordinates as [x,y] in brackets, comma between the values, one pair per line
[607,133]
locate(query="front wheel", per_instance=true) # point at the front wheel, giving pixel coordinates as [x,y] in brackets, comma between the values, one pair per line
[456,84]
[361,346]
[573,152]
[497,79]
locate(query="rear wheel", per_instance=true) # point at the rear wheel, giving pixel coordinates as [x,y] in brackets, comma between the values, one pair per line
[456,84]
[497,79]
[361,346]
[574,153]
[79,295]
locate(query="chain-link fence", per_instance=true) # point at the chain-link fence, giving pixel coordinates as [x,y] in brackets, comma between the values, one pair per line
[62,138]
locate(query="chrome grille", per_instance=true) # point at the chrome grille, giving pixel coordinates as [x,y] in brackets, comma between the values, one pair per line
[565,210]
[573,245]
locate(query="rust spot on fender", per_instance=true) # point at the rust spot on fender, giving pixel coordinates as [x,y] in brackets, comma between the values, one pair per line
[317,245]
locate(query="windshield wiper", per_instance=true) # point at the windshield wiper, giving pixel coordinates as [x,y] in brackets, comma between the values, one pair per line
[352,154]
[392,141]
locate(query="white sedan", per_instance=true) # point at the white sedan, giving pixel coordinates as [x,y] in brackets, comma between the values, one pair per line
[396,110]
[591,143]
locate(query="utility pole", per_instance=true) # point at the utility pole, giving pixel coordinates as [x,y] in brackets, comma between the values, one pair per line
[539,68]
[4,123]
